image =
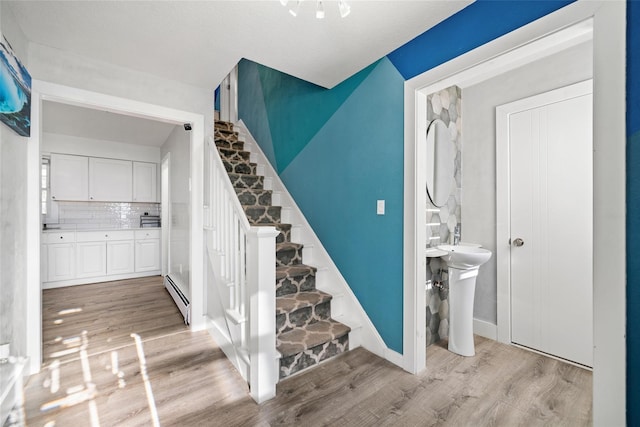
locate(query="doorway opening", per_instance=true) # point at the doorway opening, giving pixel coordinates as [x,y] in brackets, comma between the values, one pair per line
[45,92]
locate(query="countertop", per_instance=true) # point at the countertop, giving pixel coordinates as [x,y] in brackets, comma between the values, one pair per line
[61,230]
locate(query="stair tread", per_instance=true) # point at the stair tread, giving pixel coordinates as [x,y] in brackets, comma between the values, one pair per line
[235,162]
[288,245]
[294,270]
[292,302]
[244,174]
[301,339]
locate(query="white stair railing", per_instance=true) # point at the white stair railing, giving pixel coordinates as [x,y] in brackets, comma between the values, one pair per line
[240,283]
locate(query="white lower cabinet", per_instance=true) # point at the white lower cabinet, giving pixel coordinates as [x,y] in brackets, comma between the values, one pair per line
[74,258]
[147,250]
[90,259]
[61,261]
[120,257]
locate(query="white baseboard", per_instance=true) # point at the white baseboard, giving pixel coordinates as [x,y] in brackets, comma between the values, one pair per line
[485,329]
[394,357]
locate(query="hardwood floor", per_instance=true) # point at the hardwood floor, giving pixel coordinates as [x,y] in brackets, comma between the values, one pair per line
[186,380]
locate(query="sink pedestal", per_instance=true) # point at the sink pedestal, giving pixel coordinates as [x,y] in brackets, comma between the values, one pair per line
[463,263]
[462,289]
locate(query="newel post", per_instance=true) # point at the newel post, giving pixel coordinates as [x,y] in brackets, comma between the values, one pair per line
[261,292]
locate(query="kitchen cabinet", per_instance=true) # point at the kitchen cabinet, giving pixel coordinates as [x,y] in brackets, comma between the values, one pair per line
[61,260]
[69,177]
[90,259]
[147,250]
[120,257]
[145,186]
[80,257]
[110,180]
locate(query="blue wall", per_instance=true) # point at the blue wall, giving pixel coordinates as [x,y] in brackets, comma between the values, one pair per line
[340,150]
[633,213]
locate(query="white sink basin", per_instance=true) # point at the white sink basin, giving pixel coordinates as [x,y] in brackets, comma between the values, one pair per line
[464,257]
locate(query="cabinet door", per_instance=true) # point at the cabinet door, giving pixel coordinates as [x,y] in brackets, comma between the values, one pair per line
[61,261]
[120,257]
[147,255]
[110,180]
[69,177]
[91,259]
[145,182]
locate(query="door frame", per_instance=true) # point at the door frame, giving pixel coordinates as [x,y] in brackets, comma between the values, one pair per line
[165,203]
[45,91]
[609,40]
[503,193]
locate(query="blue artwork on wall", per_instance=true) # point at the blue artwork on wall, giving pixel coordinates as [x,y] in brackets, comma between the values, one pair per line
[15,91]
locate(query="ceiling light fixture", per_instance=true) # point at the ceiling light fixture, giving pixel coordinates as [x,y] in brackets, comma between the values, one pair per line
[343,7]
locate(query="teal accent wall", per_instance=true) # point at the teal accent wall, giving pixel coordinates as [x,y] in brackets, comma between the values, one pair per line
[355,159]
[338,151]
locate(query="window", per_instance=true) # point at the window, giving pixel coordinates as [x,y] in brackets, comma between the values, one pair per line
[44,186]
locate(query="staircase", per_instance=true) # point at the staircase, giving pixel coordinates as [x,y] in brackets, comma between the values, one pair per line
[306,333]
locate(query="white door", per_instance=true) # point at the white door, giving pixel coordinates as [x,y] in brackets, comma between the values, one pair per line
[61,261]
[120,257]
[110,180]
[147,255]
[551,218]
[145,182]
[91,259]
[69,177]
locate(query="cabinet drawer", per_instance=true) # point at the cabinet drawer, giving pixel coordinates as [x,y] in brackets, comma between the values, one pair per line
[59,237]
[147,234]
[103,236]
[120,235]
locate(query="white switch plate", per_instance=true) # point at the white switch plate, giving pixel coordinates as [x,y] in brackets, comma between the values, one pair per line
[380,207]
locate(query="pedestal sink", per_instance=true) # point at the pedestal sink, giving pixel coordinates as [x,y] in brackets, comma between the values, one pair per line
[463,262]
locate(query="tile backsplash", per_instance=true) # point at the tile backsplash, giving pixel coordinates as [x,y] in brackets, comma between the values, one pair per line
[445,105]
[86,215]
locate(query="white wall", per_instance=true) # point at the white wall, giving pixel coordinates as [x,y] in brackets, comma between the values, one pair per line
[13,211]
[479,150]
[65,144]
[65,68]
[178,146]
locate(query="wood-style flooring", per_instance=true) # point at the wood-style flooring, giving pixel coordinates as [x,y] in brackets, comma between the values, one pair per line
[173,377]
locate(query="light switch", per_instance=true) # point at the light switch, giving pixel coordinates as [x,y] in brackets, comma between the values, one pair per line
[380,207]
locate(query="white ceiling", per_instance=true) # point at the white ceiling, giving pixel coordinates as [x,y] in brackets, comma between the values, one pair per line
[199,42]
[83,122]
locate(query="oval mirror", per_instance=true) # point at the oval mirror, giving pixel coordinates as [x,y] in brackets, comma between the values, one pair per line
[440,164]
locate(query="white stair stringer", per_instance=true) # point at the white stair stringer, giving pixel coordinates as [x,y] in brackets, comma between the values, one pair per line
[348,309]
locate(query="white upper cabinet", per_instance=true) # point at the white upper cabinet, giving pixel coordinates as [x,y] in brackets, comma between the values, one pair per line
[69,177]
[145,182]
[110,180]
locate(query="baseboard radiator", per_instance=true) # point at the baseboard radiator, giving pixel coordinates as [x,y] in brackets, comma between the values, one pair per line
[179,298]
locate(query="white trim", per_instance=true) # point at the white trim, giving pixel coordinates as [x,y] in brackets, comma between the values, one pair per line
[98,279]
[609,381]
[165,206]
[503,200]
[42,91]
[393,357]
[485,329]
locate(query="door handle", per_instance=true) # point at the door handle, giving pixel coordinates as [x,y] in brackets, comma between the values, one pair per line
[518,242]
